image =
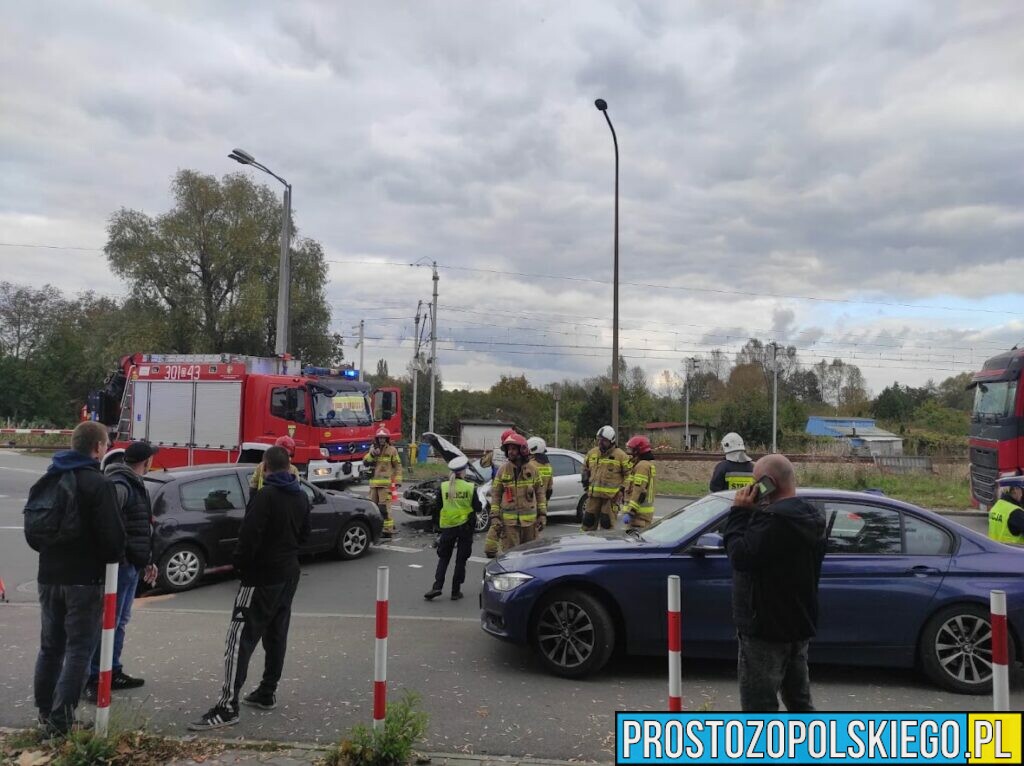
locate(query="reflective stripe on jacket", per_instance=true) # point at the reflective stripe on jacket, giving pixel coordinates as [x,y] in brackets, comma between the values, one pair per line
[738,480]
[517,493]
[454,513]
[546,476]
[641,489]
[609,476]
[387,467]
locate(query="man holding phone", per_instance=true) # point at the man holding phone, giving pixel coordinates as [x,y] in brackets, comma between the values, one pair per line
[776,543]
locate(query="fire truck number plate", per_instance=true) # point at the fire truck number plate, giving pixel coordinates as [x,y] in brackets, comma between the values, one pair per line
[182,372]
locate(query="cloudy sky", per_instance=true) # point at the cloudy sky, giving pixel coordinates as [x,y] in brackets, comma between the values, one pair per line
[847,177]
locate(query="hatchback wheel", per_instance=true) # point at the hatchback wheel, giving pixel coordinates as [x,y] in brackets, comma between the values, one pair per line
[181,568]
[956,649]
[573,633]
[483,520]
[354,540]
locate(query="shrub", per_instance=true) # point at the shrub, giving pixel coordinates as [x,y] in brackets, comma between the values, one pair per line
[391,745]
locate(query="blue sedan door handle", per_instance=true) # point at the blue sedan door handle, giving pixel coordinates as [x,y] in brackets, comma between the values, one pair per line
[922,571]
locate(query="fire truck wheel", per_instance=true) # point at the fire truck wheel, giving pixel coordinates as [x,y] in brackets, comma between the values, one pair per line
[354,540]
[181,568]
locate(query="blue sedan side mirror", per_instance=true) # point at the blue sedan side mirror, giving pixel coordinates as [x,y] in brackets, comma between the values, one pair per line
[711,542]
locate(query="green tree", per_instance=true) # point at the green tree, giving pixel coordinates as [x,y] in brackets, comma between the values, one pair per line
[209,268]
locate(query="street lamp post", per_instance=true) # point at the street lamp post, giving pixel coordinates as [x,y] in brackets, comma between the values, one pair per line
[556,394]
[284,271]
[775,396]
[602,106]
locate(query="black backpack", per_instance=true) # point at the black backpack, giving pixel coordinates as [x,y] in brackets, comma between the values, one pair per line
[51,512]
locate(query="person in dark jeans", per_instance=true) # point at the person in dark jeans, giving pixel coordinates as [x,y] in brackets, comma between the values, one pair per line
[776,543]
[70,581]
[136,513]
[456,506]
[276,524]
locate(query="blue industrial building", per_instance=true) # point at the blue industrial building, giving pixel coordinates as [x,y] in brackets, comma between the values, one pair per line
[861,434]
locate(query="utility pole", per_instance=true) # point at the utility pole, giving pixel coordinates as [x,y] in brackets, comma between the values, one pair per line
[686,428]
[361,344]
[775,395]
[556,394]
[433,348]
[415,370]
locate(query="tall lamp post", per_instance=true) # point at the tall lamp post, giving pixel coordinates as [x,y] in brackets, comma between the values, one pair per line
[602,106]
[556,394]
[284,272]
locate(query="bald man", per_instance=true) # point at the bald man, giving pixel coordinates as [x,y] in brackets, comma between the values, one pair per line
[775,542]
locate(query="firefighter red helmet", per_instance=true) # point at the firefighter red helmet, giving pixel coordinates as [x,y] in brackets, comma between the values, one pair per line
[382,433]
[639,444]
[505,434]
[288,443]
[514,438]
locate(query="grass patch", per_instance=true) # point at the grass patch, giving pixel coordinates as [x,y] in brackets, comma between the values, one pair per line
[392,745]
[421,471]
[689,488]
[82,747]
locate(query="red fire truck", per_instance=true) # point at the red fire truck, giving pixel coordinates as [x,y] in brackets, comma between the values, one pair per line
[213,408]
[997,425]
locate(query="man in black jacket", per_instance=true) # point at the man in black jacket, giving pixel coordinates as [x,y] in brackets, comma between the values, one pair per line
[276,524]
[70,580]
[137,514]
[776,543]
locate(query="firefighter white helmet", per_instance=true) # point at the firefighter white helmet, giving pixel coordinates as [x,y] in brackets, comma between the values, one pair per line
[734,448]
[606,432]
[537,445]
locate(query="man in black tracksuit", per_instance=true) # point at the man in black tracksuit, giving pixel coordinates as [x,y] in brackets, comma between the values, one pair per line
[276,524]
[776,545]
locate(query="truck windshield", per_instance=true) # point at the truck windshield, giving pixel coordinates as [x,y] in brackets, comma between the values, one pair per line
[996,399]
[340,408]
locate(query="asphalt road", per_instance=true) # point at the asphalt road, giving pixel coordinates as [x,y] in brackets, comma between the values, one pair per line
[482,696]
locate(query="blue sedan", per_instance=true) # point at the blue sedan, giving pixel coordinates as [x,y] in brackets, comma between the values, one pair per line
[900,586]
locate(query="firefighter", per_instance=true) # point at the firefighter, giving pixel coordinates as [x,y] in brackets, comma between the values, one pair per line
[539,452]
[494,531]
[606,480]
[589,466]
[256,480]
[517,495]
[640,485]
[387,468]
[737,470]
[1006,517]
[458,504]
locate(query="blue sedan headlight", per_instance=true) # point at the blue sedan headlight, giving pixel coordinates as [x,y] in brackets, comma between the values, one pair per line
[503,582]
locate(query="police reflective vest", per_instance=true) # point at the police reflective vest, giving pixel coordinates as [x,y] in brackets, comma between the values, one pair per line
[455,512]
[736,480]
[641,489]
[999,523]
[387,467]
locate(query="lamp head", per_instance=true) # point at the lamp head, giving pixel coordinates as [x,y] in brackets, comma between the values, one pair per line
[242,156]
[601,104]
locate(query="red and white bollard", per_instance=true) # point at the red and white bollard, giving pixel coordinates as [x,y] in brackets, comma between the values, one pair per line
[3,590]
[380,655]
[106,649]
[1000,653]
[675,646]
[394,493]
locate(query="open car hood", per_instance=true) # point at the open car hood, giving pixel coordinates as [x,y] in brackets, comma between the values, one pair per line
[448,451]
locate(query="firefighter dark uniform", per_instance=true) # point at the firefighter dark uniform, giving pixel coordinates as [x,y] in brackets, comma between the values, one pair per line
[517,500]
[387,468]
[607,484]
[458,505]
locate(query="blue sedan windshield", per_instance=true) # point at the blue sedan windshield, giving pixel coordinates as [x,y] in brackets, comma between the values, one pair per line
[681,524]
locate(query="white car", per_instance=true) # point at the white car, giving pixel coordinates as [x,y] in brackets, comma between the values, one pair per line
[567,496]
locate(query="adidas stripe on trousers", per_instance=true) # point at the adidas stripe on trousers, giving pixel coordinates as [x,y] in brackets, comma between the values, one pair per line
[261,612]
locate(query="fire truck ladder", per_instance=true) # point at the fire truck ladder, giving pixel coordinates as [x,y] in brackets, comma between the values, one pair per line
[124,423]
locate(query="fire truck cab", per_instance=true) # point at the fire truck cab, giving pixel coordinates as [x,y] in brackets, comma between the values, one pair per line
[218,408]
[997,425]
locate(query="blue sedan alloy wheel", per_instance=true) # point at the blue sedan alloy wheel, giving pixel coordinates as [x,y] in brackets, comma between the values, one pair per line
[956,649]
[574,633]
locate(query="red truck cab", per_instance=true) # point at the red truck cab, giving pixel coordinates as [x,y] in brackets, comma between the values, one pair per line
[997,425]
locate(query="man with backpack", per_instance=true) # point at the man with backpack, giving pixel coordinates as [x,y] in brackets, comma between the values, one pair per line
[136,513]
[275,525]
[72,520]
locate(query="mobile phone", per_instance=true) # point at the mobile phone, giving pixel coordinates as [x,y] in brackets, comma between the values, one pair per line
[765,487]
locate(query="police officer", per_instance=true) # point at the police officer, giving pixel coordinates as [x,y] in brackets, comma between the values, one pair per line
[737,470]
[640,485]
[518,503]
[458,505]
[607,481]
[387,468]
[1006,517]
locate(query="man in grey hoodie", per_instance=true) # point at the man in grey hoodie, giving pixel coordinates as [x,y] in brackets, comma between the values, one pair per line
[776,543]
